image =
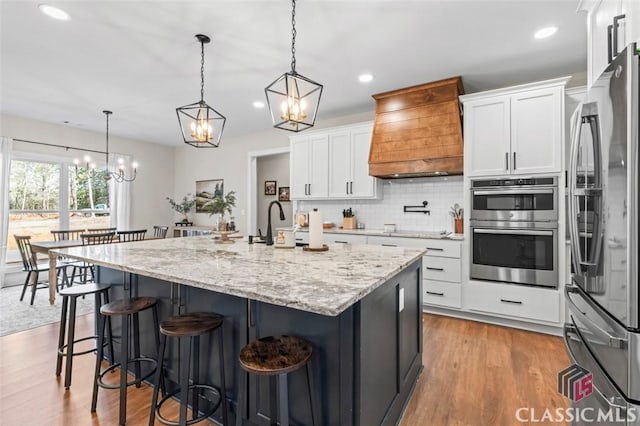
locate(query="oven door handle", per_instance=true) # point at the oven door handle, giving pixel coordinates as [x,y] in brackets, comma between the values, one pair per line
[499,191]
[513,232]
[612,341]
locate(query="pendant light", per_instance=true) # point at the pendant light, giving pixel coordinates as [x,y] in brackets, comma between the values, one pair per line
[118,175]
[292,98]
[200,124]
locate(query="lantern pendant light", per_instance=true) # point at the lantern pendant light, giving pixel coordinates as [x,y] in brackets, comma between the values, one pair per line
[292,98]
[201,125]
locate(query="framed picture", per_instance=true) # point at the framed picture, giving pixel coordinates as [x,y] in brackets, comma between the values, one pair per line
[206,190]
[283,193]
[270,187]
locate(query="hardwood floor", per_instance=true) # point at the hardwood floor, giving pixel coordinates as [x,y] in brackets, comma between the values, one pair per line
[475,374]
[480,374]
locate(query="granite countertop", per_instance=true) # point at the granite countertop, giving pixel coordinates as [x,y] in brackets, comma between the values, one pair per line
[434,235]
[324,283]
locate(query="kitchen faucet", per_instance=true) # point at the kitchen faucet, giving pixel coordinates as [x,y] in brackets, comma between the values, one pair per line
[269,238]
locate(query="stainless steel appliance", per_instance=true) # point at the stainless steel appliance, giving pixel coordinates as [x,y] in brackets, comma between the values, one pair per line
[525,200]
[603,332]
[514,231]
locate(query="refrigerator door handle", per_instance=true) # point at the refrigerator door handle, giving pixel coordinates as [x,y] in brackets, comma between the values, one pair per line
[576,130]
[612,341]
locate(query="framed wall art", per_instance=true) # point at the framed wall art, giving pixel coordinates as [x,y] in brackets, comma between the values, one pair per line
[283,193]
[270,187]
[206,190]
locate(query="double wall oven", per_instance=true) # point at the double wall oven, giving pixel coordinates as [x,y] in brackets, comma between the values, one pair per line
[514,231]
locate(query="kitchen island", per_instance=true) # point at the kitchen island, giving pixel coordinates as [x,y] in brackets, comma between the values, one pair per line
[360,307]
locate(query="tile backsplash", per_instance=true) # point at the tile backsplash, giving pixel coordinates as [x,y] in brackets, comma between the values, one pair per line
[440,192]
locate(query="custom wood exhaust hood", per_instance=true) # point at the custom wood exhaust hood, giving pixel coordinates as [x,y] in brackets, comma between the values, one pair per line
[418,131]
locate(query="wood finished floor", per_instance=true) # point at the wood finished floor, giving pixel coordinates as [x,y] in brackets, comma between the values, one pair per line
[474,374]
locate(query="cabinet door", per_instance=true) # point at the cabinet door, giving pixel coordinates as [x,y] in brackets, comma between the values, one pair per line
[599,19]
[319,167]
[362,185]
[299,168]
[536,131]
[339,164]
[486,136]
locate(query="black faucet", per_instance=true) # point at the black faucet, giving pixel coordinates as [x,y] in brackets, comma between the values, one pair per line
[269,238]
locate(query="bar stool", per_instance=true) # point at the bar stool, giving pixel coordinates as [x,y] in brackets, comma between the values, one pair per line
[191,325]
[276,356]
[128,309]
[100,292]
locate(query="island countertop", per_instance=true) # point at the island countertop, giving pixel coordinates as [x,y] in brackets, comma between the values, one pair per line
[324,283]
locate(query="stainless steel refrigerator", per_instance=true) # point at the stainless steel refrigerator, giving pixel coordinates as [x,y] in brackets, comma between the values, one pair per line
[603,332]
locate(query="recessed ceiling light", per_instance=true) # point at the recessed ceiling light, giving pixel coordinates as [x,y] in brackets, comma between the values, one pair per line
[545,32]
[54,12]
[365,78]
[258,104]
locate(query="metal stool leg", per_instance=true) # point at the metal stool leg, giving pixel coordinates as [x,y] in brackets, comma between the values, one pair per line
[196,377]
[136,347]
[283,399]
[156,325]
[70,339]
[185,355]
[94,399]
[223,386]
[273,400]
[63,329]
[112,359]
[157,380]
[124,355]
[241,411]
[314,420]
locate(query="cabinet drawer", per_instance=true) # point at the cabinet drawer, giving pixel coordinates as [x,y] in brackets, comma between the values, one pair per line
[443,248]
[344,239]
[514,301]
[442,294]
[441,269]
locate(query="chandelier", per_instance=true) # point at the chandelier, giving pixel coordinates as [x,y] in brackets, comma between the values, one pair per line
[292,98]
[201,125]
[119,174]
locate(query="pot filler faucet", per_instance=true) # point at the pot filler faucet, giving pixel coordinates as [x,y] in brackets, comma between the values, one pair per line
[269,238]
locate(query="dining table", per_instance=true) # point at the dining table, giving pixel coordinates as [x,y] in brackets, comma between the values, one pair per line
[45,247]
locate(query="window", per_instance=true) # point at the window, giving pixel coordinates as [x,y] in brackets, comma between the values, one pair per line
[48,195]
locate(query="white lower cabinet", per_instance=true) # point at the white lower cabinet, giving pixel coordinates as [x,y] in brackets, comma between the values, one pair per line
[442,294]
[512,300]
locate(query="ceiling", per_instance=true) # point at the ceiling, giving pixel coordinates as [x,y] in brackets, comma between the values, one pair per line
[141,60]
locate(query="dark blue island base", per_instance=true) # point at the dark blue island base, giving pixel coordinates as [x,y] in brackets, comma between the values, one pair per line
[365,361]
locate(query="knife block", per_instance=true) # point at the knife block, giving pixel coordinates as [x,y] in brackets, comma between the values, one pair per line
[349,222]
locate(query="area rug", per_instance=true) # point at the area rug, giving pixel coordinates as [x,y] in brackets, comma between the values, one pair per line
[17,316]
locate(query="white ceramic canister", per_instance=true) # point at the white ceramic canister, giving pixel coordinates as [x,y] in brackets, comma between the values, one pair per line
[285,238]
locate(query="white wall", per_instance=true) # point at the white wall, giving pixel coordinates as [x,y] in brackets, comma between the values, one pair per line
[272,167]
[230,162]
[155,179]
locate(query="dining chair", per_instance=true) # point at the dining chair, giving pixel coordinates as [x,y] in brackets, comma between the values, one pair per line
[31,266]
[66,235]
[135,235]
[160,231]
[83,269]
[99,231]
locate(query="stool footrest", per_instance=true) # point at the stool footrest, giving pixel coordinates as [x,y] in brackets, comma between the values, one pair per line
[61,350]
[134,382]
[189,421]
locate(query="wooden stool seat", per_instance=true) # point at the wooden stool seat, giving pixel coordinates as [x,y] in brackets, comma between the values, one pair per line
[191,324]
[86,289]
[128,306]
[275,355]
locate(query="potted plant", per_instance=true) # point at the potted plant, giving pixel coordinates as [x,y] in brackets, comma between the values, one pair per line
[220,204]
[183,207]
[457,213]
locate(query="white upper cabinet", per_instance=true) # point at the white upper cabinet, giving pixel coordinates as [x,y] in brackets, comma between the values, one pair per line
[349,163]
[609,32]
[309,166]
[517,130]
[344,160]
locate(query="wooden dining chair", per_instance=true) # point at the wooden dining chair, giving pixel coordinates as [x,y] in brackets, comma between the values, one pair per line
[100,231]
[66,235]
[83,269]
[160,231]
[135,235]
[31,266]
